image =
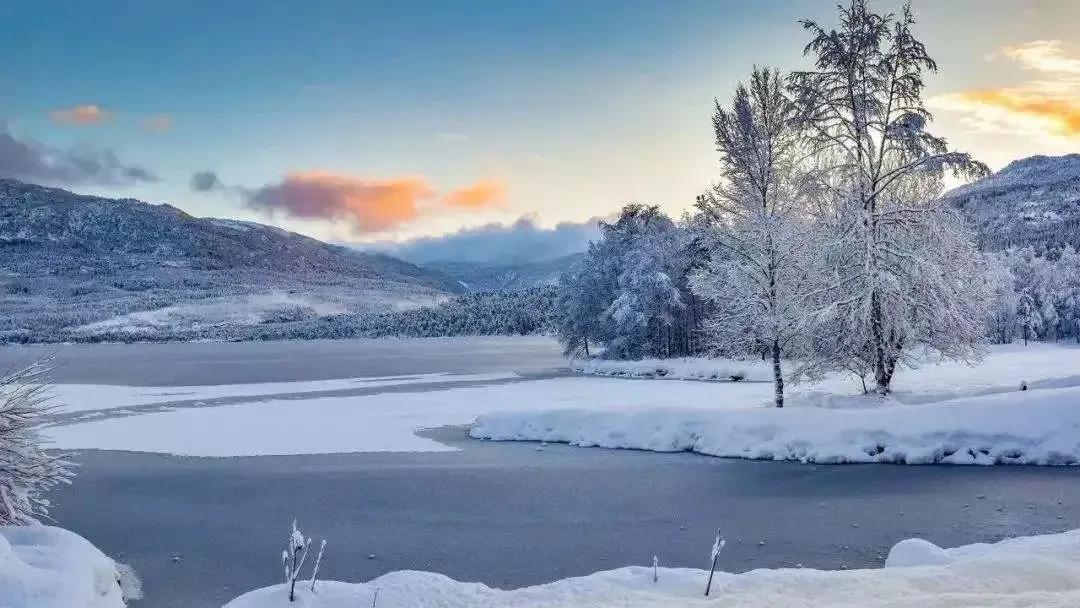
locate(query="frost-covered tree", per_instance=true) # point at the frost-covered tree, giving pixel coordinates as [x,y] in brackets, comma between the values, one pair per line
[1001,323]
[583,295]
[1027,317]
[648,248]
[862,108]
[27,471]
[760,273]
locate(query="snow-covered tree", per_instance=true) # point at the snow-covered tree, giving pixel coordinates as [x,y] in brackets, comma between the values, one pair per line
[1002,320]
[862,108]
[1027,317]
[26,470]
[583,294]
[760,273]
[648,248]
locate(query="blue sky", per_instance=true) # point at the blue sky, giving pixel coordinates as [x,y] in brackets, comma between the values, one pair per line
[458,114]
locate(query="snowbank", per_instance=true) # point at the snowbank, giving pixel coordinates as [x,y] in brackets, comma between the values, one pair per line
[1031,571]
[687,368]
[47,567]
[1032,427]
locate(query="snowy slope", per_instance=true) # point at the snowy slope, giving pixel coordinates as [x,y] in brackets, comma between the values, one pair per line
[1027,571]
[68,260]
[1031,201]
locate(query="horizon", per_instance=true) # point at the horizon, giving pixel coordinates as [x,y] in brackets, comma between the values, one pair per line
[501,117]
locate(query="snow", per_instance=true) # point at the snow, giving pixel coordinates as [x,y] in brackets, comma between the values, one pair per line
[945,413]
[686,368]
[47,567]
[84,397]
[1026,571]
[370,423]
[1032,427]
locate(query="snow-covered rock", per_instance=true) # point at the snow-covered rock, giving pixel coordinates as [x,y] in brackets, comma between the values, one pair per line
[48,567]
[1031,571]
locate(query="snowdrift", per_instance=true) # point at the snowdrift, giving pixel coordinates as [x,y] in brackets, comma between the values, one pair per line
[1031,427]
[47,567]
[1031,571]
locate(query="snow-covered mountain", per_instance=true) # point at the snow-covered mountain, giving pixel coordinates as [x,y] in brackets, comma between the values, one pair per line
[476,276]
[1032,201]
[71,263]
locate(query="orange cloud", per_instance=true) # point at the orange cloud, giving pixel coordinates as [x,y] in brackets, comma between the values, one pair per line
[484,194]
[372,205]
[1047,108]
[80,115]
[158,122]
[1060,114]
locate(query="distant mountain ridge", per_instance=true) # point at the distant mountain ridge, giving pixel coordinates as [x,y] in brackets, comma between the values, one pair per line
[71,263]
[478,276]
[1032,201]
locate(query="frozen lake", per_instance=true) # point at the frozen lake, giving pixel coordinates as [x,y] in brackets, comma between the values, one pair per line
[203,530]
[203,363]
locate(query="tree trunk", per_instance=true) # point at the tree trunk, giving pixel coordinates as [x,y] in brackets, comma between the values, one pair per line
[881,374]
[778,376]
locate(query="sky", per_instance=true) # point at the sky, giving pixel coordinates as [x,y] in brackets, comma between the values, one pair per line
[389,121]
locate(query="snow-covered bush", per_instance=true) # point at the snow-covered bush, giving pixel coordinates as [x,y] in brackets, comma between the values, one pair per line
[27,471]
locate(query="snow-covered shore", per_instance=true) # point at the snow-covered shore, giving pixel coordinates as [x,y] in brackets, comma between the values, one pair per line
[1032,427]
[1028,571]
[48,567]
[686,368]
[946,413]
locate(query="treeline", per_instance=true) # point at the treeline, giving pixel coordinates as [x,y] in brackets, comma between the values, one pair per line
[1036,294]
[521,312]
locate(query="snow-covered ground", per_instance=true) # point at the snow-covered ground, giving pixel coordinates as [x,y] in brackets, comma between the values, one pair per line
[82,397]
[372,423]
[47,567]
[1039,427]
[686,368]
[941,413]
[1020,572]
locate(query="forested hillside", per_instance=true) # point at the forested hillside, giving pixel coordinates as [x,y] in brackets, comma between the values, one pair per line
[74,266]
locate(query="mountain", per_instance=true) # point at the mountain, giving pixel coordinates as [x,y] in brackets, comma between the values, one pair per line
[72,264]
[477,277]
[1032,201]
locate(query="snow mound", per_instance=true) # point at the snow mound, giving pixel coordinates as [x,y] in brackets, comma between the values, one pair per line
[687,368]
[917,552]
[1031,427]
[1032,571]
[47,567]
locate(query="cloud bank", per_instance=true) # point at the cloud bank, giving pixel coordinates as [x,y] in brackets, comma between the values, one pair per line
[31,161]
[519,242]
